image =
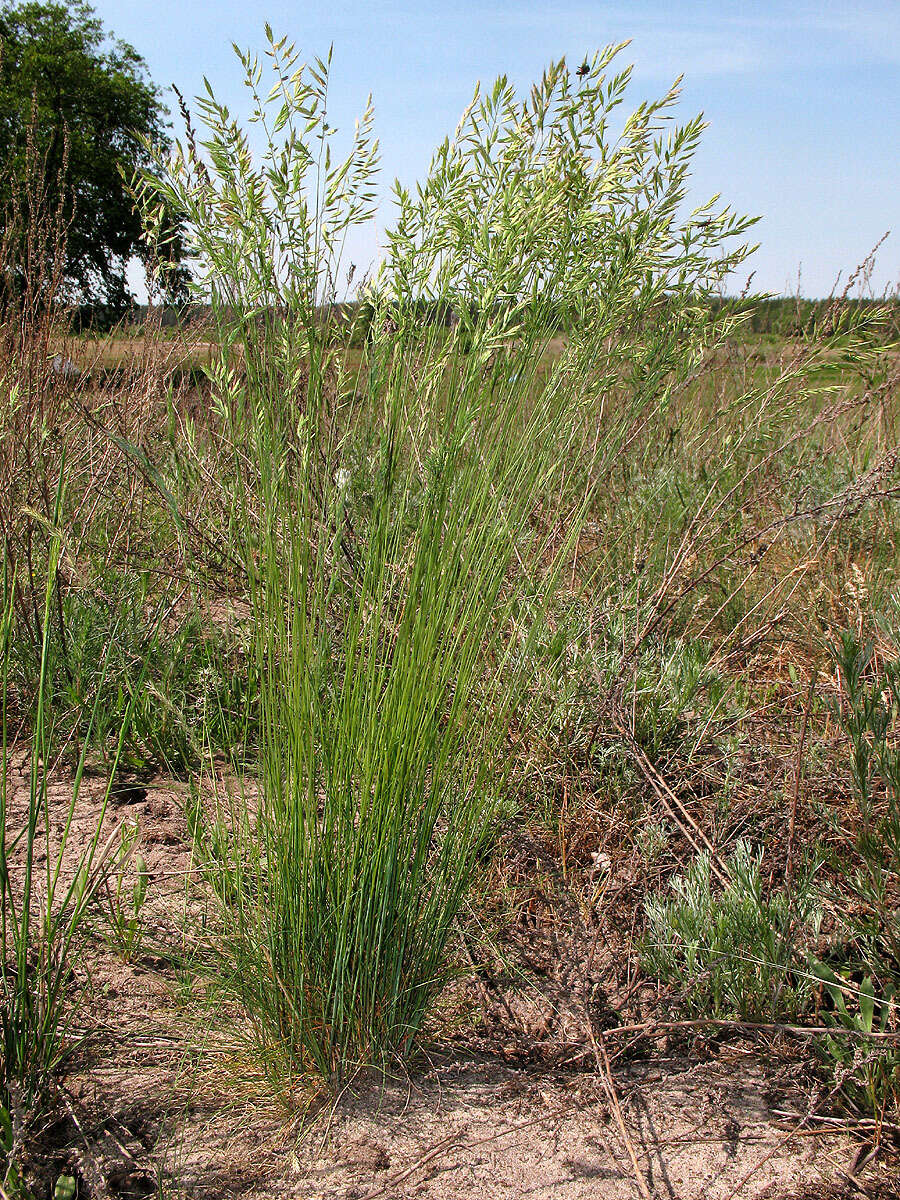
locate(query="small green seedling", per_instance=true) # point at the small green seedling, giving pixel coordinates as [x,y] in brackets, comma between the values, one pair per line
[65,1189]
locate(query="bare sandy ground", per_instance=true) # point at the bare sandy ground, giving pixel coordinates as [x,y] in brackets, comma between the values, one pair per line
[160,1099]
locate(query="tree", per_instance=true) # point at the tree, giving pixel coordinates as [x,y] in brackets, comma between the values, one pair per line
[86,100]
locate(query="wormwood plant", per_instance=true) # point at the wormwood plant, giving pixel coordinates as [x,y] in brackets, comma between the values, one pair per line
[403,514]
[738,953]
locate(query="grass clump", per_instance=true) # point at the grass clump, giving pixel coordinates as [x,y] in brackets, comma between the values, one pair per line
[398,606]
[47,887]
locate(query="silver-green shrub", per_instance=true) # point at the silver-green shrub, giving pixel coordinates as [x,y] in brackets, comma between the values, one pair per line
[736,952]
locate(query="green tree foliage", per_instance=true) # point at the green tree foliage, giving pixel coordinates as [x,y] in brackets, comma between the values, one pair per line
[83,102]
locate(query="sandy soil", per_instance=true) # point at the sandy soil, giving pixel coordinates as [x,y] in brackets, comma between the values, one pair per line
[159,1101]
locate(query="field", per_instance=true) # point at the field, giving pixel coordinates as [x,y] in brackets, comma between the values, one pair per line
[449,742]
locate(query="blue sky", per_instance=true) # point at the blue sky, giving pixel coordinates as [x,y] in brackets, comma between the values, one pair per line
[802,98]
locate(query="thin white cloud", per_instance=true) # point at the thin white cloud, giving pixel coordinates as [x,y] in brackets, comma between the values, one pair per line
[712,39]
